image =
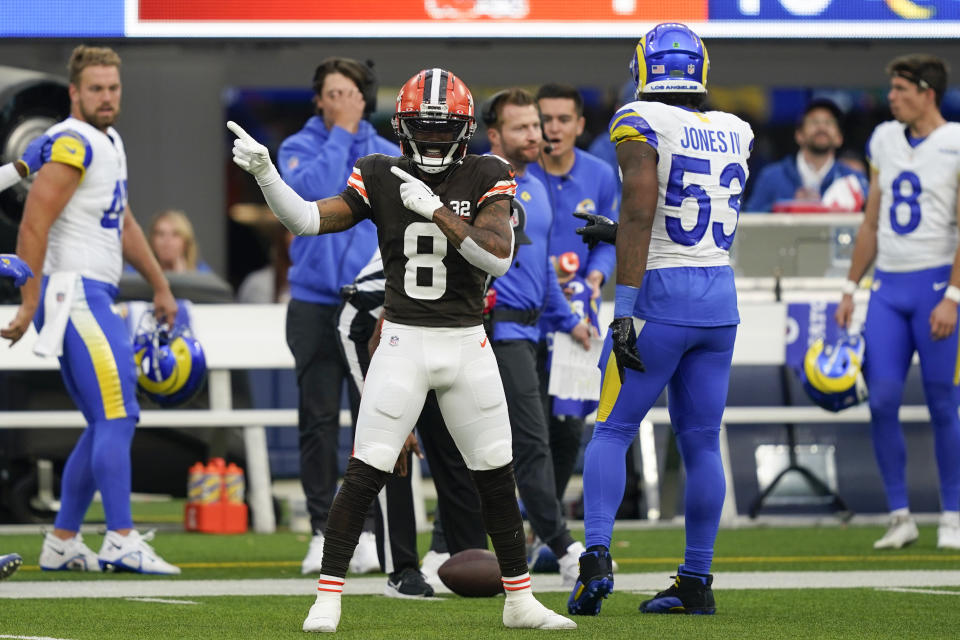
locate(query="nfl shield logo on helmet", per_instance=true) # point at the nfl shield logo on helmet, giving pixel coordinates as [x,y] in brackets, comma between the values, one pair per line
[670,58]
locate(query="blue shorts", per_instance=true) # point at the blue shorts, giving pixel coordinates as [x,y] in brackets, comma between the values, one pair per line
[693,362]
[97,363]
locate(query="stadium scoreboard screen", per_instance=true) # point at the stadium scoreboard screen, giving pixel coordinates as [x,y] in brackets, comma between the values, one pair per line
[476,18]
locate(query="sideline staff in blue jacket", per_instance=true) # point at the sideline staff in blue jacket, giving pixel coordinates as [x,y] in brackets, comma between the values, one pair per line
[808,174]
[316,162]
[529,287]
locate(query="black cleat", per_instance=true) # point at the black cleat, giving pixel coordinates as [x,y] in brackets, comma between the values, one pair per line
[594,583]
[690,593]
[408,583]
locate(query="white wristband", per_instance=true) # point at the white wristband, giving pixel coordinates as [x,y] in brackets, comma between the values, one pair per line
[952,293]
[9,176]
[849,287]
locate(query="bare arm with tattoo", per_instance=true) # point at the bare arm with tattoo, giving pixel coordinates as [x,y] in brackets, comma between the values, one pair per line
[486,244]
[491,230]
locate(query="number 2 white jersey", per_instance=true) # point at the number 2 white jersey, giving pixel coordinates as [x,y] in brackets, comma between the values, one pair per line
[918,207]
[87,235]
[702,169]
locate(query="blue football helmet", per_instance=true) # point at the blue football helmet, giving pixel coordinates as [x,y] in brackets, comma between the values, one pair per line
[832,375]
[670,58]
[171,365]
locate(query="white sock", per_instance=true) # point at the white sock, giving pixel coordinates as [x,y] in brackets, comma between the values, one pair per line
[903,511]
[329,586]
[517,586]
[950,519]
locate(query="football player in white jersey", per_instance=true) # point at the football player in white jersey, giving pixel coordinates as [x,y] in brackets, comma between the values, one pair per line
[675,315]
[910,229]
[77,229]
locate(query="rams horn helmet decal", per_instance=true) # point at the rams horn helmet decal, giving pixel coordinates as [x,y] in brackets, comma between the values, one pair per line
[171,366]
[832,375]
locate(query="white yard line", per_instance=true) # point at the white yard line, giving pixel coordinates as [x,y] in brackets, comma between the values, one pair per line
[306,587]
[162,601]
[934,592]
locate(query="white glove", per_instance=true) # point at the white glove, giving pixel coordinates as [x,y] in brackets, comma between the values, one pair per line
[416,195]
[251,156]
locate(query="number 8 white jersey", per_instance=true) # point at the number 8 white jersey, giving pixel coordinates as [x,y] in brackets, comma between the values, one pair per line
[87,235]
[702,169]
[918,206]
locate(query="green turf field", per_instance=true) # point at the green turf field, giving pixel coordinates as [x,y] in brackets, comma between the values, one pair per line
[756,549]
[742,613]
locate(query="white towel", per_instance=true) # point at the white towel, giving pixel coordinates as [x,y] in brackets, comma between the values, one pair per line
[57,302]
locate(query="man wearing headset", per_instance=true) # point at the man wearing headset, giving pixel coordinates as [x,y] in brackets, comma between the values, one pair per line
[528,288]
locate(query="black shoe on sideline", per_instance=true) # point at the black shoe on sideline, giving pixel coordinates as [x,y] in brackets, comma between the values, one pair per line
[408,583]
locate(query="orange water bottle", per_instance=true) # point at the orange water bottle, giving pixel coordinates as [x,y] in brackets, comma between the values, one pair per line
[212,482]
[195,479]
[234,484]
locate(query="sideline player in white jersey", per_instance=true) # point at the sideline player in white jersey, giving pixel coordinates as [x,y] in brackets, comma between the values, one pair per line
[675,315]
[910,228]
[78,228]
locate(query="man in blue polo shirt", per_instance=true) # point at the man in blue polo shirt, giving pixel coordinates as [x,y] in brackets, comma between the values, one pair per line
[576,182]
[527,289]
[316,162]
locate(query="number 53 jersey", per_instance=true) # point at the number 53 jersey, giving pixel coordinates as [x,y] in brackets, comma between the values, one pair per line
[918,206]
[87,235]
[428,282]
[701,171]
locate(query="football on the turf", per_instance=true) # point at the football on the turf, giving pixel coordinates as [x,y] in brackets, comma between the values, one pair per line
[472,573]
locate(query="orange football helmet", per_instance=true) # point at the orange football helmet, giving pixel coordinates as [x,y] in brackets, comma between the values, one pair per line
[434,120]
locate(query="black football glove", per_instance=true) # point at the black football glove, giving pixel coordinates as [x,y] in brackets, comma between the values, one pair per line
[625,346]
[599,229]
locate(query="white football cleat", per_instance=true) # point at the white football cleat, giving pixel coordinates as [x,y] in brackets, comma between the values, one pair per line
[570,564]
[526,612]
[314,559]
[67,555]
[948,536]
[902,531]
[132,553]
[324,615]
[431,565]
[365,559]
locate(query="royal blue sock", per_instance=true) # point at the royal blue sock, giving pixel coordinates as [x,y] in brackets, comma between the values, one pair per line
[77,485]
[604,476]
[703,496]
[888,443]
[942,401]
[110,462]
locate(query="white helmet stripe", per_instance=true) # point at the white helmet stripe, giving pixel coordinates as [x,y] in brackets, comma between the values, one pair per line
[435,82]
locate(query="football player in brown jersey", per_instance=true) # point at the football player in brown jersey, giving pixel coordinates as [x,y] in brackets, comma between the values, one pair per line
[443,225]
